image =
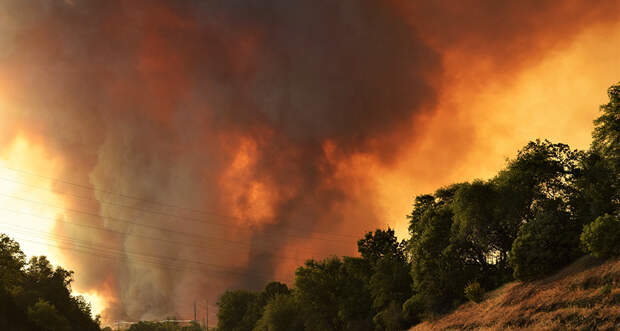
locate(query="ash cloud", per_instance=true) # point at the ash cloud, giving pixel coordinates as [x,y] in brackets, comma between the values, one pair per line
[155,99]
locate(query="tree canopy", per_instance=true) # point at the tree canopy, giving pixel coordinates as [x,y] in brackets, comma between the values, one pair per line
[36,296]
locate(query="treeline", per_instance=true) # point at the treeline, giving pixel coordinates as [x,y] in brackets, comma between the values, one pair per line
[162,326]
[36,297]
[549,206]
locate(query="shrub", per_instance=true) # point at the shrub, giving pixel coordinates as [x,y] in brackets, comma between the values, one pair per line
[391,318]
[544,245]
[605,289]
[47,317]
[282,313]
[601,238]
[413,310]
[474,292]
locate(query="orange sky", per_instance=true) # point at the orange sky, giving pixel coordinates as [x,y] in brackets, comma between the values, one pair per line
[557,98]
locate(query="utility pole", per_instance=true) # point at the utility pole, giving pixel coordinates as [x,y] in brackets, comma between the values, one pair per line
[195,310]
[118,326]
[207,317]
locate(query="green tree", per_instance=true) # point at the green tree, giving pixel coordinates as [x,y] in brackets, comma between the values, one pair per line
[481,234]
[606,134]
[45,315]
[438,277]
[334,294]
[237,311]
[596,188]
[282,313]
[606,143]
[28,292]
[390,283]
[379,244]
[12,260]
[601,238]
[355,304]
[545,243]
[319,287]
[272,290]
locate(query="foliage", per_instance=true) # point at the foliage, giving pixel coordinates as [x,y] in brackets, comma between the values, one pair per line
[601,238]
[381,244]
[606,143]
[37,296]
[437,278]
[45,315]
[282,313]
[164,326]
[545,243]
[390,283]
[391,318]
[596,188]
[241,310]
[605,289]
[474,292]
[236,310]
[606,134]
[332,293]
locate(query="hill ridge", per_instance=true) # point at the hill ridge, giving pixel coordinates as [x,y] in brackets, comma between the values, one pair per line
[583,296]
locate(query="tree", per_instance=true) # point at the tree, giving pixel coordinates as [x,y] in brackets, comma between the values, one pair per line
[601,238]
[606,142]
[237,311]
[545,243]
[596,188]
[45,315]
[355,303]
[606,134]
[438,276]
[272,290]
[282,313]
[334,294]
[381,244]
[12,260]
[319,287]
[35,293]
[390,283]
[481,233]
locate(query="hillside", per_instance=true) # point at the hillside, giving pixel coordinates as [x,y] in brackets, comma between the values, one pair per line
[583,296]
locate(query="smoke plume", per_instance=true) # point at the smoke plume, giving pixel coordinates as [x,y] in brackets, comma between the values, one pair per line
[242,134]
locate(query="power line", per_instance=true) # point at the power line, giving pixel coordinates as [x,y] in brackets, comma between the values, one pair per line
[169,241]
[157,212]
[92,214]
[130,256]
[93,252]
[107,191]
[165,260]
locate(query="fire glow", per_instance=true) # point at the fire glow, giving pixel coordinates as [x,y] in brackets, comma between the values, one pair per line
[217,146]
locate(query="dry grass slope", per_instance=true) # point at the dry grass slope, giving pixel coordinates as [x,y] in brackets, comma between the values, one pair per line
[583,296]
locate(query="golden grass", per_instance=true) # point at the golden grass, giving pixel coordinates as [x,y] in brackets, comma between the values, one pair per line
[572,299]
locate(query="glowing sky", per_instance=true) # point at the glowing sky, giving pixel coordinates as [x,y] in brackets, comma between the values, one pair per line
[168,150]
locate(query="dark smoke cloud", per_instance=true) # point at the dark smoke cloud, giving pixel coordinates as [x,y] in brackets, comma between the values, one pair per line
[156,99]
